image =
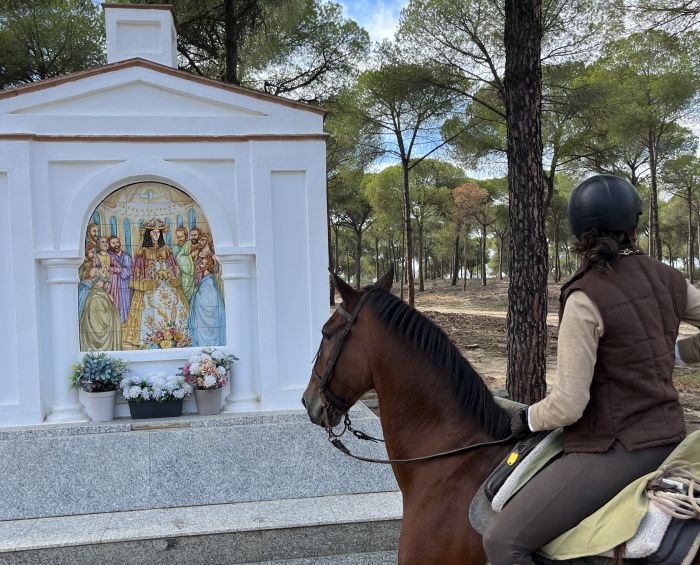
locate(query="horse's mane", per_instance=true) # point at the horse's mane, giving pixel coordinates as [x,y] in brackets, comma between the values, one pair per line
[471,392]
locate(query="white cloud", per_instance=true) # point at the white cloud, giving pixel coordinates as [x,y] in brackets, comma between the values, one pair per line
[379,17]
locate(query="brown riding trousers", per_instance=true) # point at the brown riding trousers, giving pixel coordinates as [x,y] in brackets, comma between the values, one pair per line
[561,495]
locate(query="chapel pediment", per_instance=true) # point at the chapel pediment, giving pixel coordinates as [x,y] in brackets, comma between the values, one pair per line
[138,98]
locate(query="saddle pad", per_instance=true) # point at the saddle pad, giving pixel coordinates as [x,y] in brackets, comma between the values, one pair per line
[512,461]
[679,545]
[551,446]
[651,532]
[617,521]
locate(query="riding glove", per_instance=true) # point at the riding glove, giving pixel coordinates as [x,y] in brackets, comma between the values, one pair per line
[518,424]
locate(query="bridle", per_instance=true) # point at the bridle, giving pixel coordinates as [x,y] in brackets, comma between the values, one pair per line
[330,399]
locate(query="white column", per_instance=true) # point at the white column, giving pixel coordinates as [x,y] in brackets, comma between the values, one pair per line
[65,344]
[238,294]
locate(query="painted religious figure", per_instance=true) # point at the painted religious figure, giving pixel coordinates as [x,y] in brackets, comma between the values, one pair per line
[206,323]
[183,257]
[150,279]
[159,308]
[100,327]
[120,289]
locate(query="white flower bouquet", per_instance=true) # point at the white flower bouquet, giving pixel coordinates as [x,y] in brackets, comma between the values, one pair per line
[208,369]
[160,387]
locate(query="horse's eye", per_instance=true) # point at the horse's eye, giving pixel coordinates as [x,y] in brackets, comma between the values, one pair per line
[325,334]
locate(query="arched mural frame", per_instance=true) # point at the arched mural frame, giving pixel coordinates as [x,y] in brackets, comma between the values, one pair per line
[101,185]
[98,188]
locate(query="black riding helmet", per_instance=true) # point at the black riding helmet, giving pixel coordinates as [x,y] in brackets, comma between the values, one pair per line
[605,202]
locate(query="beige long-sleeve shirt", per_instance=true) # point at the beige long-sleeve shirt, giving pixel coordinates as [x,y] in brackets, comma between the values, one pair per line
[580,330]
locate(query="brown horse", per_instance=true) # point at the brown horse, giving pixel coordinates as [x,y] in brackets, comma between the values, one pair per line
[431,400]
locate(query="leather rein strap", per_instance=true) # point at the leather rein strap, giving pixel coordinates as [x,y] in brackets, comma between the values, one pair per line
[338,444]
[330,398]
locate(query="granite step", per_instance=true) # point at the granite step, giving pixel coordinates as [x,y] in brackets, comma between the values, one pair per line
[374,558]
[128,465]
[357,529]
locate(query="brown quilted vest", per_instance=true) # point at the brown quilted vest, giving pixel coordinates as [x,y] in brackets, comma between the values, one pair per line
[633,399]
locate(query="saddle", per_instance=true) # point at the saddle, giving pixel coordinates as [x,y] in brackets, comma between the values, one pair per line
[659,539]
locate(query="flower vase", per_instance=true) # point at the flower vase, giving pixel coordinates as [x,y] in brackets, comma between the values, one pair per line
[208,401]
[154,409]
[100,405]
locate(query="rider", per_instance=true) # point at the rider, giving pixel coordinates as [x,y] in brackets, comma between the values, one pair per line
[614,396]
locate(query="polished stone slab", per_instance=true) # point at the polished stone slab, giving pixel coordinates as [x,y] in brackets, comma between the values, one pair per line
[181,462]
[374,558]
[42,533]
[268,531]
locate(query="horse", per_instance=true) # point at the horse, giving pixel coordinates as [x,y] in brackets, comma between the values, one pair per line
[432,400]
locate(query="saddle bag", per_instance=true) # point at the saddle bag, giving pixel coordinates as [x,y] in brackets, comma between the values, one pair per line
[504,469]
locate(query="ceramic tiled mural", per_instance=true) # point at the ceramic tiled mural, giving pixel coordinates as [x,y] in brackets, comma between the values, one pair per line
[150,278]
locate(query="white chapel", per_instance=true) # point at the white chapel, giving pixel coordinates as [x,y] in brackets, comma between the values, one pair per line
[134,154]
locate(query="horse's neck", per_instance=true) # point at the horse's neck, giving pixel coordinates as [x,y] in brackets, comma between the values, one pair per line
[420,414]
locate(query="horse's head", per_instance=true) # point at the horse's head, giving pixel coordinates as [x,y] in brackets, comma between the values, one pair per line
[341,372]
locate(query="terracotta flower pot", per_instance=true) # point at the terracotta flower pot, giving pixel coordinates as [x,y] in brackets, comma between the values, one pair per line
[208,401]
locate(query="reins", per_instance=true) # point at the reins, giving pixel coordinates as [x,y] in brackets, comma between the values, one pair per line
[329,399]
[338,444]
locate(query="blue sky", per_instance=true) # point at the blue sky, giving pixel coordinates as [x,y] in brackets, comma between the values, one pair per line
[378,17]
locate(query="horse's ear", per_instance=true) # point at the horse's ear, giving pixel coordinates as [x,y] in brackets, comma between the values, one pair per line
[347,293]
[387,279]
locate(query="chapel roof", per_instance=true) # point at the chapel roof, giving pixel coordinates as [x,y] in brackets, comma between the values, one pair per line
[143,63]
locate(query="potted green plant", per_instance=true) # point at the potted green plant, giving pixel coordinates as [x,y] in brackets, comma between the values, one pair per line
[98,376]
[155,396]
[208,372]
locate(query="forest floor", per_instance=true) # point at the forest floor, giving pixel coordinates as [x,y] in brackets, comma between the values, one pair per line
[474,319]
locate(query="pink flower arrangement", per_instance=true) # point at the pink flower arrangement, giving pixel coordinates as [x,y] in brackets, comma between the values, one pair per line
[207,370]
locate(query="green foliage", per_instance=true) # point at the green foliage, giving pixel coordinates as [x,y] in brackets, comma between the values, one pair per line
[98,372]
[47,38]
[313,59]
[303,49]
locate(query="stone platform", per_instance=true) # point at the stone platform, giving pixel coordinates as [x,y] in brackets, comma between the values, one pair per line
[233,488]
[125,465]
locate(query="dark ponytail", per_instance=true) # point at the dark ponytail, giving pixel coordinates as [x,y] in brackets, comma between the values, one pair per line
[600,247]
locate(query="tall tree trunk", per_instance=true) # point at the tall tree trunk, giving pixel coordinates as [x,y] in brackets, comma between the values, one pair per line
[358,258]
[409,235]
[691,251]
[403,262]
[376,258]
[483,255]
[455,255]
[557,263]
[527,291]
[421,265]
[231,42]
[336,229]
[466,255]
[697,228]
[654,233]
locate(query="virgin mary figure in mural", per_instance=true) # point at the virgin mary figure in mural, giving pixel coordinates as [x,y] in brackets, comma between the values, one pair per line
[207,322]
[159,310]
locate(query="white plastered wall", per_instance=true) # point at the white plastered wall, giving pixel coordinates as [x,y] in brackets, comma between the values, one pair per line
[264,200]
